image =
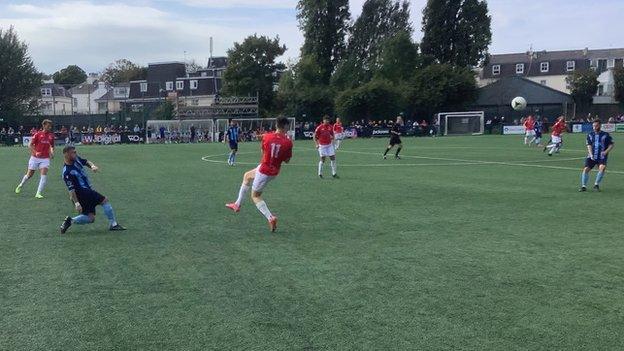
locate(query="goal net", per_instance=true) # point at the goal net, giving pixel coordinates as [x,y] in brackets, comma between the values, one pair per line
[179,131]
[461,123]
[251,128]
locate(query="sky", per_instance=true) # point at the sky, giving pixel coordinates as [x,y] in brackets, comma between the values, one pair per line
[94,33]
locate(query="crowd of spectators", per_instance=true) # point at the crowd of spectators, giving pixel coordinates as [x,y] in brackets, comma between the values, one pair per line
[364,128]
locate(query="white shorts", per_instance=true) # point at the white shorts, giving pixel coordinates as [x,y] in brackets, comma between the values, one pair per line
[555,139]
[339,136]
[530,133]
[260,181]
[327,150]
[36,163]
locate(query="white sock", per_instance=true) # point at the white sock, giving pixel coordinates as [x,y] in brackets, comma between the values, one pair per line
[262,207]
[333,167]
[24,180]
[320,168]
[42,183]
[526,140]
[244,189]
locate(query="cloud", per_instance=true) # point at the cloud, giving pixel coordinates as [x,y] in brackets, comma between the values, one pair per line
[283,4]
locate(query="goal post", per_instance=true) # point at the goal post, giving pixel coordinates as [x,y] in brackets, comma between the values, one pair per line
[251,128]
[180,130]
[462,123]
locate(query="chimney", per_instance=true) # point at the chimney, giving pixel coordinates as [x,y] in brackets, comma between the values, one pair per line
[585,51]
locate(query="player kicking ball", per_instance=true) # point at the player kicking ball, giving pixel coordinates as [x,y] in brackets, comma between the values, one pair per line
[276,149]
[599,145]
[395,139]
[82,195]
[324,140]
[41,151]
[231,136]
[555,137]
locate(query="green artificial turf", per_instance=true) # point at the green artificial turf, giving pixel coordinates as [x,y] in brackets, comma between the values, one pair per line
[468,243]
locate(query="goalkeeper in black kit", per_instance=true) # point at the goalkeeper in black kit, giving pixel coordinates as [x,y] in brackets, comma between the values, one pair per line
[395,139]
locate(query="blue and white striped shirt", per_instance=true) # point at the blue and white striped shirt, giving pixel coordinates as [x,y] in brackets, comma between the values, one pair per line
[598,143]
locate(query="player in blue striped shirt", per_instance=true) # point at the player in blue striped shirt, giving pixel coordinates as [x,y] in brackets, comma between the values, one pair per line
[231,136]
[599,145]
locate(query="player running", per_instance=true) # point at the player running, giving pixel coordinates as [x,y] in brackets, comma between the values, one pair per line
[276,148]
[231,136]
[555,137]
[529,127]
[395,138]
[599,145]
[324,140]
[84,198]
[41,151]
[539,127]
[338,133]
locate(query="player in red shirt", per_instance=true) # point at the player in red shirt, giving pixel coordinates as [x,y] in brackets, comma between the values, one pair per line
[338,133]
[529,127]
[324,139]
[555,136]
[41,151]
[276,149]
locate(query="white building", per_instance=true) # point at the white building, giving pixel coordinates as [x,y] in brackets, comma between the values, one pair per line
[54,100]
[86,95]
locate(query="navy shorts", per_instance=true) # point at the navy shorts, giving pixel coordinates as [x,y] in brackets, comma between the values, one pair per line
[89,199]
[589,163]
[233,145]
[395,140]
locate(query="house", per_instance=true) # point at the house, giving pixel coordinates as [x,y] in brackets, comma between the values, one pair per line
[169,80]
[551,68]
[86,95]
[55,100]
[112,101]
[495,99]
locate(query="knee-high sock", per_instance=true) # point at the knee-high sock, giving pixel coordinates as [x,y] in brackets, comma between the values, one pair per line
[387,150]
[110,214]
[233,157]
[398,151]
[554,148]
[244,189]
[599,177]
[264,209]
[337,143]
[320,167]
[526,140]
[81,219]
[584,178]
[334,167]
[42,183]
[24,180]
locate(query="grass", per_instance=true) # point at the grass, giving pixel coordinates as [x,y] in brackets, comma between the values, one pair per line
[468,243]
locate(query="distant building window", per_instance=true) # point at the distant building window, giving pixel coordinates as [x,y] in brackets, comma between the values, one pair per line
[204,74]
[601,90]
[193,85]
[121,91]
[610,63]
[520,68]
[496,69]
[544,67]
[180,85]
[169,86]
[46,92]
[143,87]
[195,102]
[570,66]
[542,82]
[75,101]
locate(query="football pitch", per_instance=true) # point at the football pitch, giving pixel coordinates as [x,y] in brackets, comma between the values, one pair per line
[467,243]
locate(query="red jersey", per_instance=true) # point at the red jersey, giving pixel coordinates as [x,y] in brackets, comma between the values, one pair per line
[558,128]
[276,148]
[42,141]
[324,134]
[338,128]
[529,124]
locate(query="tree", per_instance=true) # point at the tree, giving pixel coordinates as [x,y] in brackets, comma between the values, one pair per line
[380,20]
[325,24]
[252,68]
[192,66]
[618,77]
[164,111]
[456,32]
[399,58]
[441,87]
[123,71]
[303,93]
[583,87]
[378,99]
[69,76]
[19,79]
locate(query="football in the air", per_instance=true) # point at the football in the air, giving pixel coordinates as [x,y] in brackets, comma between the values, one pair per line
[519,103]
